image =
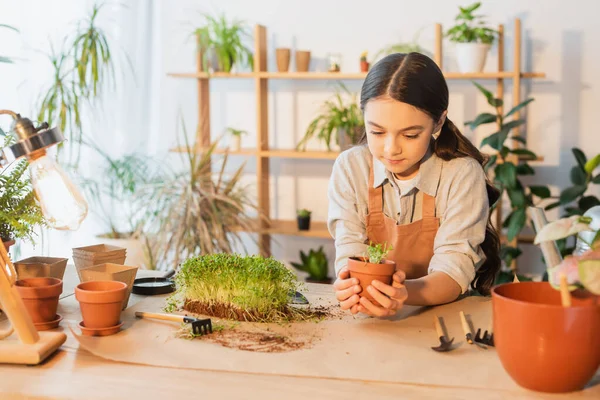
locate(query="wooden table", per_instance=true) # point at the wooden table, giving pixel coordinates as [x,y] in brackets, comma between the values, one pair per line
[75,373]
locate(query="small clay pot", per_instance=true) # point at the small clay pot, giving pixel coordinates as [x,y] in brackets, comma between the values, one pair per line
[364,66]
[366,272]
[303,223]
[7,244]
[40,296]
[283,59]
[302,61]
[101,302]
[542,345]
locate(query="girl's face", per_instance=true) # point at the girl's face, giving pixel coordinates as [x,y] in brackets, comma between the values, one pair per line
[399,134]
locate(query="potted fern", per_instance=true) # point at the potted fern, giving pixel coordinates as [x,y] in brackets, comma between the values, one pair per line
[315,264]
[372,266]
[473,39]
[19,212]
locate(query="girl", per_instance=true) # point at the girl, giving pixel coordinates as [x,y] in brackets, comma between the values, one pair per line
[418,185]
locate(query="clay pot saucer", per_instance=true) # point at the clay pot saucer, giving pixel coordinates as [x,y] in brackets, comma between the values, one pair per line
[111,330]
[44,326]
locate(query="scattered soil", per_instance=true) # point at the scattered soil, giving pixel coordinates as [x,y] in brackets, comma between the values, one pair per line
[257,341]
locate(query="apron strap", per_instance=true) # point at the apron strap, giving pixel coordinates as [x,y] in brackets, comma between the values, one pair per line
[375,194]
[428,205]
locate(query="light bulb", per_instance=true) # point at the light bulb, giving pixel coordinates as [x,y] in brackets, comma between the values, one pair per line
[63,206]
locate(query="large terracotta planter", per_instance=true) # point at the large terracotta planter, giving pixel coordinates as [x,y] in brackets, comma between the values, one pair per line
[101,302]
[40,296]
[88,256]
[111,272]
[542,345]
[366,272]
[41,267]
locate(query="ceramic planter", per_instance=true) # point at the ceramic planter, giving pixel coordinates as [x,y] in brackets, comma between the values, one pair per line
[40,267]
[235,142]
[302,61]
[135,249]
[283,59]
[111,272]
[40,296]
[101,303]
[364,66]
[366,272]
[303,223]
[542,345]
[88,256]
[470,57]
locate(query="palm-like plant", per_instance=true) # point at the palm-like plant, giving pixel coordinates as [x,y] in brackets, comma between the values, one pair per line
[5,59]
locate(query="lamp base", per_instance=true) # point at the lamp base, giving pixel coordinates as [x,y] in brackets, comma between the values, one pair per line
[13,351]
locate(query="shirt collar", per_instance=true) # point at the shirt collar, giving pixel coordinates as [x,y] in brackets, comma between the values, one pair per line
[428,178]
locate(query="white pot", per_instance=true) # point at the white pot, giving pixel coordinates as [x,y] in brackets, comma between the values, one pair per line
[235,142]
[136,250]
[470,57]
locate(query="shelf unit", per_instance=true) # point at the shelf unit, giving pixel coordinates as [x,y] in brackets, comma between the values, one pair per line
[263,152]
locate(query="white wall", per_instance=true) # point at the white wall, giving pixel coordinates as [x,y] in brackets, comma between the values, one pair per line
[560,39]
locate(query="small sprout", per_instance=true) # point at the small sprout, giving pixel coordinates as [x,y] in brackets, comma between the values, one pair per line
[376,252]
[303,213]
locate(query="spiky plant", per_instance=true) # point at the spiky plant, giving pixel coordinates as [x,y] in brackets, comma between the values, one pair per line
[314,263]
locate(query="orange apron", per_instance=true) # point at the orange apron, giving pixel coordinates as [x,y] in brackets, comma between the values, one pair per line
[412,243]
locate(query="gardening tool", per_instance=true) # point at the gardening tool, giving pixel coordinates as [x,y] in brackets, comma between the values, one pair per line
[199,326]
[468,332]
[487,338]
[297,298]
[445,344]
[156,285]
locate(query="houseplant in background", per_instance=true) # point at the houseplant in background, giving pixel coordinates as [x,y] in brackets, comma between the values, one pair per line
[315,264]
[364,64]
[370,266]
[222,44]
[341,118]
[473,39]
[303,218]
[506,173]
[402,47]
[5,59]
[235,138]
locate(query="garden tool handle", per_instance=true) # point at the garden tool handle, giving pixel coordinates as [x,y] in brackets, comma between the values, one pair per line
[164,317]
[438,327]
[465,324]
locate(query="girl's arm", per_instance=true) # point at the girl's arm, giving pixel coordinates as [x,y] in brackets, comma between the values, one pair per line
[435,288]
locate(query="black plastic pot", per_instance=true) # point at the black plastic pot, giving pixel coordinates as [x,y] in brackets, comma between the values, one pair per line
[304,223]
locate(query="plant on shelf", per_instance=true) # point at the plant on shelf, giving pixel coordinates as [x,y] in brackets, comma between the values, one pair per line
[221,44]
[303,218]
[506,171]
[574,198]
[341,118]
[195,211]
[315,264]
[364,64]
[472,37]
[20,213]
[5,59]
[235,136]
[241,288]
[402,47]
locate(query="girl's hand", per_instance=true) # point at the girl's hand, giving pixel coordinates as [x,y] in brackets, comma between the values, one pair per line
[346,291]
[391,298]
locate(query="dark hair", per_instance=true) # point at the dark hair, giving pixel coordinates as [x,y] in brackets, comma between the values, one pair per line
[416,80]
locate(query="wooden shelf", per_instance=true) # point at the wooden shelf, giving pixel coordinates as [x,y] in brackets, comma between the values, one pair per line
[290,227]
[320,155]
[343,75]
[224,150]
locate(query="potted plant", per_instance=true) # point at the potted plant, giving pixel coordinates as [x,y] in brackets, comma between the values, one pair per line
[341,118]
[364,64]
[528,314]
[20,213]
[303,218]
[473,39]
[372,266]
[235,135]
[508,172]
[315,264]
[221,44]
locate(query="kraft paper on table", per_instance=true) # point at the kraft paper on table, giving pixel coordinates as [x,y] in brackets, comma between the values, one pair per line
[362,348]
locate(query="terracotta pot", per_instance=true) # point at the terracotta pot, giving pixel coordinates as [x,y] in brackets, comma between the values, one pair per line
[302,61]
[364,66]
[7,244]
[542,345]
[111,272]
[40,267]
[283,59]
[366,272]
[101,302]
[40,296]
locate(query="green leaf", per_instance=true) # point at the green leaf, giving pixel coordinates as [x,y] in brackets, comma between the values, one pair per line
[517,197]
[481,119]
[587,202]
[596,179]
[518,107]
[489,96]
[578,176]
[580,157]
[525,169]
[524,152]
[591,165]
[507,174]
[509,253]
[491,162]
[570,194]
[516,223]
[542,192]
[519,139]
[552,205]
